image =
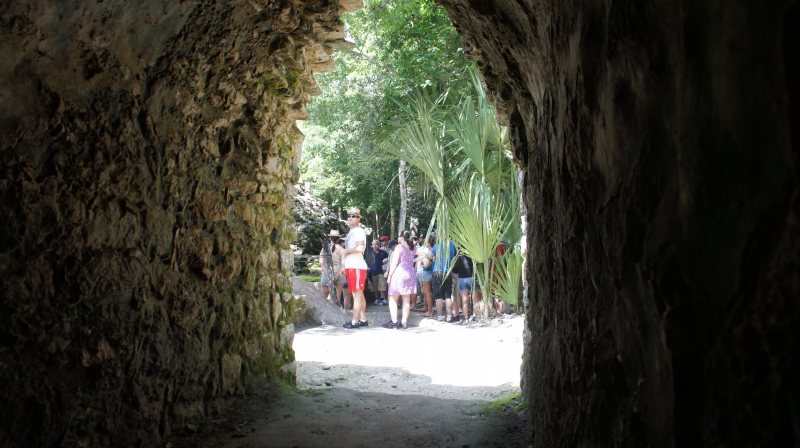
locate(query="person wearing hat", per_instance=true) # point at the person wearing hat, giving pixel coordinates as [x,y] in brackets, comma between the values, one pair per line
[384,242]
[355,268]
[336,264]
[377,284]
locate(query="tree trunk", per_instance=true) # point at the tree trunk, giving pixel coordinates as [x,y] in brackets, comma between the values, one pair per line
[391,220]
[401,222]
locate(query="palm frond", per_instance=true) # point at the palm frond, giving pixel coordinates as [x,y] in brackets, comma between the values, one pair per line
[509,277]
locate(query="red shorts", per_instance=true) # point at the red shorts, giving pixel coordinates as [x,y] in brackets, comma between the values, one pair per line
[356,278]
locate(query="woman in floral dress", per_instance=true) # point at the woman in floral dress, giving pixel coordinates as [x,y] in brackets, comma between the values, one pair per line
[402,279]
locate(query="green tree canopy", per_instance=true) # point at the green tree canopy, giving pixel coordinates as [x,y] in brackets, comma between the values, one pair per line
[398,47]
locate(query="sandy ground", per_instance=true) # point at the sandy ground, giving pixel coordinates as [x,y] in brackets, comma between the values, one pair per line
[432,385]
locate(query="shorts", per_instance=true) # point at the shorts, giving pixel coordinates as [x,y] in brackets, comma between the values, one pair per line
[378,283]
[465,284]
[356,278]
[442,287]
[424,276]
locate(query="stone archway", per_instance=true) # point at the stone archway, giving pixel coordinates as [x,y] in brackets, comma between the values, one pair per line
[146,153]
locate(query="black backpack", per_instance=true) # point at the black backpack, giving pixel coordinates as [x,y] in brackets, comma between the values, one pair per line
[369,254]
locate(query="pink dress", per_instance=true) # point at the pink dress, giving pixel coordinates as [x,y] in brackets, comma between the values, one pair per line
[404,278]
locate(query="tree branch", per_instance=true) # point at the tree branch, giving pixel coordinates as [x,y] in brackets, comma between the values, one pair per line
[378,63]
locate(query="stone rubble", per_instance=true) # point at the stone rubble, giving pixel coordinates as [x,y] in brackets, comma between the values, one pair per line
[313,221]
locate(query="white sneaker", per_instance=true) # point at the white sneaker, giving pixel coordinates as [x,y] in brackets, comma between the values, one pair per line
[384,302]
[377,302]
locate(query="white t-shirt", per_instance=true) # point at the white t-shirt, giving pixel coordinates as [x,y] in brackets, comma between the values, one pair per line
[424,251]
[355,260]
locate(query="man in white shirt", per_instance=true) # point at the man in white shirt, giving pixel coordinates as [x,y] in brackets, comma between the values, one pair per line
[355,268]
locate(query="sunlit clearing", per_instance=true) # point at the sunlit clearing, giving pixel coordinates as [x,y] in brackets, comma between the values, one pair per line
[474,356]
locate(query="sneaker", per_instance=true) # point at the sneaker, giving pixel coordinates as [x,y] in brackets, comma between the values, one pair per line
[390,325]
[377,302]
[363,323]
[352,326]
[404,326]
[384,302]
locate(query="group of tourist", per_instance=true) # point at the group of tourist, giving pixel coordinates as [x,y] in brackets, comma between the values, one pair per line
[410,272]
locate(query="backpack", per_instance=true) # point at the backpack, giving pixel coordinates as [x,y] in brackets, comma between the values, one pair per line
[369,254]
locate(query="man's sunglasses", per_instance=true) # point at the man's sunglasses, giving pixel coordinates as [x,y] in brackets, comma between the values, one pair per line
[353,216]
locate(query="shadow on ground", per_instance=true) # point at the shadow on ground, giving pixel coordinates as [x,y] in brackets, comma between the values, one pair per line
[339,417]
[441,385]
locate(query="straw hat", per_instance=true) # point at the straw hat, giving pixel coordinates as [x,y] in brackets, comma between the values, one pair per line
[355,211]
[335,233]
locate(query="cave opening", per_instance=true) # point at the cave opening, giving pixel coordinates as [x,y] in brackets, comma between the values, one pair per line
[146,153]
[404,67]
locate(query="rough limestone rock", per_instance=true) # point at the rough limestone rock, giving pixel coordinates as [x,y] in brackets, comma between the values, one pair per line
[146,152]
[313,221]
[659,141]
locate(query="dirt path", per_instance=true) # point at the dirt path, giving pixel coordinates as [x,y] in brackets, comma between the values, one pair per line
[427,386]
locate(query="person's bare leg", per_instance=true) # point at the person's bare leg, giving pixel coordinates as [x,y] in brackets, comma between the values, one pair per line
[359,304]
[465,303]
[477,309]
[326,291]
[456,306]
[363,308]
[439,305]
[393,308]
[347,299]
[449,306]
[428,295]
[406,307]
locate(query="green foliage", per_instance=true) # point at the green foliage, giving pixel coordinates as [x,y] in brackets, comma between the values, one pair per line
[509,274]
[309,278]
[478,201]
[399,46]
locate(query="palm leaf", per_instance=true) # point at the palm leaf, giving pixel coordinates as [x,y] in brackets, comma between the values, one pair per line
[509,277]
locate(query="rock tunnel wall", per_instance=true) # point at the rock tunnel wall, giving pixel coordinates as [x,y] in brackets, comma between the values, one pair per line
[661,185]
[147,154]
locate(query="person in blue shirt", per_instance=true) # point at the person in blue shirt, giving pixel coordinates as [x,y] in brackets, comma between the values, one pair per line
[377,283]
[442,257]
